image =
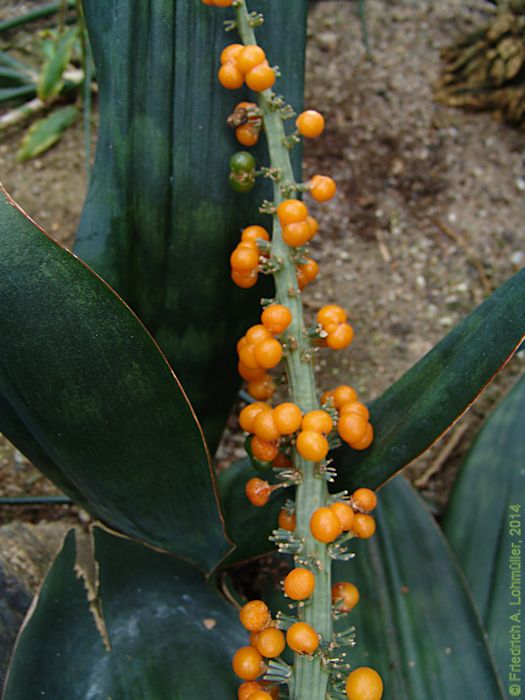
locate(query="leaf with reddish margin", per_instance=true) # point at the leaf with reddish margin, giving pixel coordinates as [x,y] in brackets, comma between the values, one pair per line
[86,394]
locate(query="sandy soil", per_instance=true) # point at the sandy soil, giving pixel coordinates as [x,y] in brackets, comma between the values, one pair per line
[430,214]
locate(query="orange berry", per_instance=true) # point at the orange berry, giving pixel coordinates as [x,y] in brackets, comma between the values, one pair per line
[276,318]
[364,684]
[314,226]
[325,526]
[310,123]
[262,450]
[297,234]
[260,694]
[258,491]
[251,245]
[245,281]
[302,281]
[366,440]
[246,690]
[248,414]
[287,520]
[325,396]
[299,584]
[230,77]
[268,353]
[364,526]
[322,188]
[247,134]
[244,259]
[364,499]
[252,233]
[256,334]
[247,663]
[223,3]
[261,389]
[310,268]
[345,514]
[291,211]
[352,427]
[253,639]
[345,596]
[287,417]
[341,337]
[319,421]
[251,56]
[343,394]
[355,407]
[270,642]
[247,356]
[264,426]
[312,445]
[331,313]
[307,273]
[246,106]
[255,616]
[302,638]
[250,375]
[230,53]
[260,78]
[208,2]
[241,343]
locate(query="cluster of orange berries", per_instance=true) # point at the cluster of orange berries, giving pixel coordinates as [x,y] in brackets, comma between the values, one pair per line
[244,260]
[353,424]
[298,227]
[332,319]
[267,641]
[328,522]
[269,424]
[259,351]
[240,64]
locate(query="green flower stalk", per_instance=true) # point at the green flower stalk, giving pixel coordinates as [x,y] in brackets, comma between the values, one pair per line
[319,669]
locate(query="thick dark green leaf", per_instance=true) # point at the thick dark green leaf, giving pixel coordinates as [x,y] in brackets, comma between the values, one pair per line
[413,413]
[86,394]
[172,637]
[44,133]
[415,622]
[160,220]
[248,526]
[485,523]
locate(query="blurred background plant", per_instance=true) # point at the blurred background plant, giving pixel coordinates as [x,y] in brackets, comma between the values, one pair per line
[485,69]
[46,68]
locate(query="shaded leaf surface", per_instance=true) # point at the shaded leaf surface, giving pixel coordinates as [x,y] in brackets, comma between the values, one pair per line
[171,636]
[416,623]
[86,394]
[485,521]
[420,406]
[160,220]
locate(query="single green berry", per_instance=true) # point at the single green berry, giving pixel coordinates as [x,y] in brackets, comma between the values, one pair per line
[241,183]
[242,162]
